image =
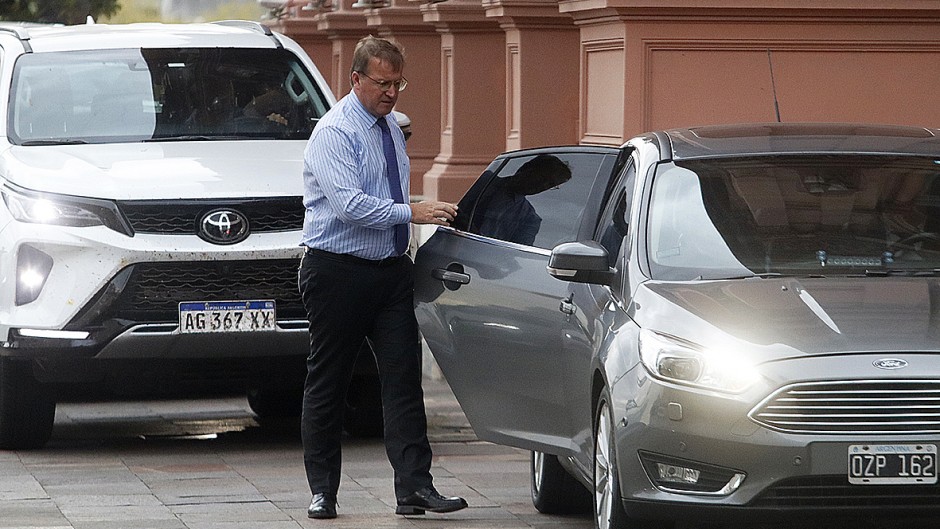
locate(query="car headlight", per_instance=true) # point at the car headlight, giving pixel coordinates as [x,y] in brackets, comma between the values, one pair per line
[681,362]
[62,210]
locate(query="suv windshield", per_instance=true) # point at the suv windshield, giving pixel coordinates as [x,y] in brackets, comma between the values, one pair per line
[795,215]
[108,96]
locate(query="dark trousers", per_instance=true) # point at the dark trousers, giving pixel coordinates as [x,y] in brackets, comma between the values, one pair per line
[348,300]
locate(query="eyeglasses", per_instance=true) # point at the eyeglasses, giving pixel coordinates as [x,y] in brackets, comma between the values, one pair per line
[385,85]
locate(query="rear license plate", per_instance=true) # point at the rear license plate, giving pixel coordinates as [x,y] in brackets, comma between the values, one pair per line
[901,464]
[226,316]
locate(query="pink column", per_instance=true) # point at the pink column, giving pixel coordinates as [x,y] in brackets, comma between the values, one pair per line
[542,66]
[473,100]
[402,22]
[344,25]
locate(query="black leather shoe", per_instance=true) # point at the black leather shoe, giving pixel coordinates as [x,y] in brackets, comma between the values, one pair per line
[428,499]
[322,506]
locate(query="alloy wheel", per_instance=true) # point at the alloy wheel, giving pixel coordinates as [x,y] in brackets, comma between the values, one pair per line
[603,491]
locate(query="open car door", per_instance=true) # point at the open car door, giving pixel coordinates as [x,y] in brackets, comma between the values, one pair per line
[498,324]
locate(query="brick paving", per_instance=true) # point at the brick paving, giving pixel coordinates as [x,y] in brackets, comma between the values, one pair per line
[207,464]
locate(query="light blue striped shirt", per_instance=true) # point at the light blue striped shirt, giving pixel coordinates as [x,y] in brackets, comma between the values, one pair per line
[349,207]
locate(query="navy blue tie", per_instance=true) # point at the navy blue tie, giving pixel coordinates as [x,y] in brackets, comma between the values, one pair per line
[394,184]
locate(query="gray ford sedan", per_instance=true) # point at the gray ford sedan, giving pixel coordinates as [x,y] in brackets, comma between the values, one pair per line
[711,322]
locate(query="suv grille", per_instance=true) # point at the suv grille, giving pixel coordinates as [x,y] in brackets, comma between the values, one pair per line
[835,491]
[154,290]
[866,406]
[182,216]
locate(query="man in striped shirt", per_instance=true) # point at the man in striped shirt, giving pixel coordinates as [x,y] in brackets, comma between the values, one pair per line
[356,282]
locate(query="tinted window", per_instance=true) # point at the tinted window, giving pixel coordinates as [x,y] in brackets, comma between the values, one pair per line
[536,200]
[615,220]
[141,94]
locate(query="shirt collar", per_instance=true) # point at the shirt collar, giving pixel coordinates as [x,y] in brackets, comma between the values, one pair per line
[363,116]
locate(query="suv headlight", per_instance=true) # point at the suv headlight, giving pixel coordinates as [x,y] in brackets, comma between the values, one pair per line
[671,359]
[62,210]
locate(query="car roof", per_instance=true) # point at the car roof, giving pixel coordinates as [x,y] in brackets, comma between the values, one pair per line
[799,138]
[53,38]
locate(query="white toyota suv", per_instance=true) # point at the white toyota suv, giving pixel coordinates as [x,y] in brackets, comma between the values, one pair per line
[150,217]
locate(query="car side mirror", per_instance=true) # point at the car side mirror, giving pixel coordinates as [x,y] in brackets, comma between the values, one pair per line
[580,262]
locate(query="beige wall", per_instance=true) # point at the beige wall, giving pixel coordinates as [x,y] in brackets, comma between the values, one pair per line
[524,73]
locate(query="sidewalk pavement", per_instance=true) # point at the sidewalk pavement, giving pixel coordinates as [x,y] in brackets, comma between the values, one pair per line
[206,464]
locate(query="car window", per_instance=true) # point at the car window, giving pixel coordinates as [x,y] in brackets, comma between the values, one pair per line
[107,96]
[615,221]
[536,200]
[795,215]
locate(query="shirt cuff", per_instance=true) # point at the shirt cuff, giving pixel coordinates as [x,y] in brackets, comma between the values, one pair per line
[401,213]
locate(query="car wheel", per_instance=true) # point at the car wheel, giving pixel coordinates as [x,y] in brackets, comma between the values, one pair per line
[608,509]
[364,417]
[276,403]
[27,409]
[554,490]
[608,504]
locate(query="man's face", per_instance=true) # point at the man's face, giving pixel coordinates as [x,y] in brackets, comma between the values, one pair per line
[377,101]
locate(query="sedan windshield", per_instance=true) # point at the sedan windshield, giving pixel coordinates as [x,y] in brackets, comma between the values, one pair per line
[110,96]
[795,215]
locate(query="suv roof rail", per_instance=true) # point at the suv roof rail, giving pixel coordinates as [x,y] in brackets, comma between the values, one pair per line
[250,25]
[19,32]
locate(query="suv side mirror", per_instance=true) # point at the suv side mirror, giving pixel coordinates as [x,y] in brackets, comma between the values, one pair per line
[404,122]
[580,262]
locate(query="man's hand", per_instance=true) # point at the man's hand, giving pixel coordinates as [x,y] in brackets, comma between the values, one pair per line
[433,212]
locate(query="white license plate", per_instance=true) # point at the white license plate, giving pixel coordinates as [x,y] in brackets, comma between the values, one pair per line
[900,464]
[226,316]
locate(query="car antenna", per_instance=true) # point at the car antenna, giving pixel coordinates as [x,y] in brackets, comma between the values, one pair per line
[773,84]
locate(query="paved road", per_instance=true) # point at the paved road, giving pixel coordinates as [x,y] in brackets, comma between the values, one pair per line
[177,464]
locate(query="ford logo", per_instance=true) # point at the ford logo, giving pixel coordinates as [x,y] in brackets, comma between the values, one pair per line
[223,226]
[890,363]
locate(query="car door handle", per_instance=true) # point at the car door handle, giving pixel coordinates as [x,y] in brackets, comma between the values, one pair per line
[449,276]
[567,306]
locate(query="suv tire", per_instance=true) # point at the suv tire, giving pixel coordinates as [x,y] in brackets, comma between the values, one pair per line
[276,403]
[27,409]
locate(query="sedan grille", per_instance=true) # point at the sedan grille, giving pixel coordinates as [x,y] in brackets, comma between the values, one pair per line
[867,406]
[182,216]
[832,492]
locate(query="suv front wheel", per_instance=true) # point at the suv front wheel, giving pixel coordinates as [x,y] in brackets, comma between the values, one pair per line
[27,409]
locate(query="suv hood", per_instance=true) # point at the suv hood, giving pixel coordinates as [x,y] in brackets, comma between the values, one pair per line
[780,318]
[207,169]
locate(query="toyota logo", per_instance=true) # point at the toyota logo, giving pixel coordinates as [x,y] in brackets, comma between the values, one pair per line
[223,226]
[890,363]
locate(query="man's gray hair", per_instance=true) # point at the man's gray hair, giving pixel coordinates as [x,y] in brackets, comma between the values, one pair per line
[382,49]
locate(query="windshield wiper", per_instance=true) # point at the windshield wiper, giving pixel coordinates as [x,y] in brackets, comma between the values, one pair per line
[198,137]
[759,275]
[54,142]
[910,272]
